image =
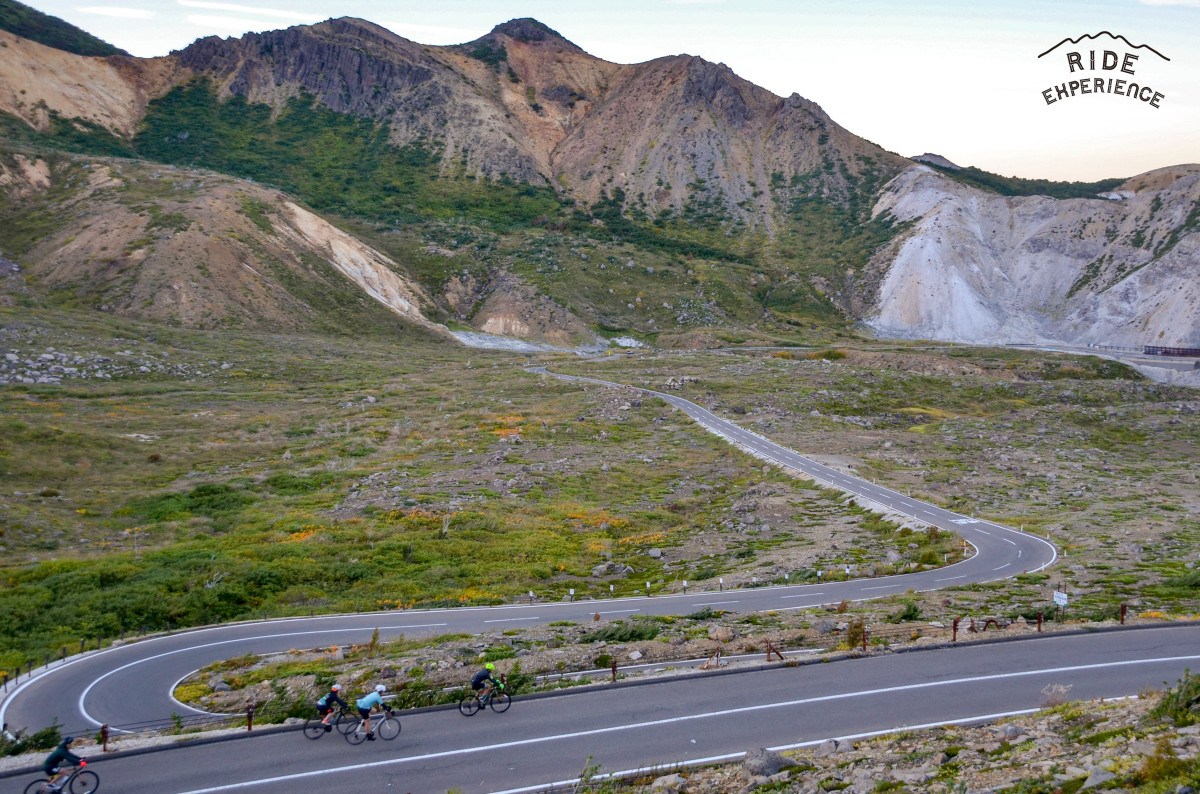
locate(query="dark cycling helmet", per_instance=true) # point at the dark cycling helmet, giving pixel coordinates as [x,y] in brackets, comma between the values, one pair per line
[490,666]
[68,739]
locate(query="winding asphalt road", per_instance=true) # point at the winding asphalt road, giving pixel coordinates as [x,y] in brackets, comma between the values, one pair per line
[132,683]
[692,718]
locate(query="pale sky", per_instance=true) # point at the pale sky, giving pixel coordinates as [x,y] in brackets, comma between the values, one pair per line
[958,78]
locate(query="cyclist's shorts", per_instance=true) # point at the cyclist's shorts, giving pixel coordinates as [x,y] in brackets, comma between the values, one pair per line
[51,770]
[364,713]
[324,709]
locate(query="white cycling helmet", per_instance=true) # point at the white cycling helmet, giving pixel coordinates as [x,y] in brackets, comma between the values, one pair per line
[380,688]
[336,687]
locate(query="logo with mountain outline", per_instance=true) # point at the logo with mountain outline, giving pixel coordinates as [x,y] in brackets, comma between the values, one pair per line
[1112,66]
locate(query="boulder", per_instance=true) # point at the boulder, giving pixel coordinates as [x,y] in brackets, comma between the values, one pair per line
[1096,776]
[673,781]
[720,633]
[826,748]
[763,762]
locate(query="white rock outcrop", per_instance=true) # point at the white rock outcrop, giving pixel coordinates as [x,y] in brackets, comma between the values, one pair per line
[983,268]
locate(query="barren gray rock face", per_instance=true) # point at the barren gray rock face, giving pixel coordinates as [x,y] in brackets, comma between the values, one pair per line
[983,268]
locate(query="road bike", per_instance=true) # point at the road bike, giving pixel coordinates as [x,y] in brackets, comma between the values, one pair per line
[342,720]
[80,781]
[387,729]
[498,699]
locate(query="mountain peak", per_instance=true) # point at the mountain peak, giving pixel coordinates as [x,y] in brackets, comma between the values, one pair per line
[529,31]
[936,159]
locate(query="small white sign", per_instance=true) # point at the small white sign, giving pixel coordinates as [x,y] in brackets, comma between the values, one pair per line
[1060,598]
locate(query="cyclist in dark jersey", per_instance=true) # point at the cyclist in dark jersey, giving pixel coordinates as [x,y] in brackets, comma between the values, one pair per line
[325,704]
[484,680]
[54,762]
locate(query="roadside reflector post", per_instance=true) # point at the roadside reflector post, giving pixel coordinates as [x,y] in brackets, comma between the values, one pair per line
[250,717]
[647,589]
[1039,623]
[610,591]
[573,593]
[1122,614]
[685,585]
[82,646]
[864,638]
[954,636]
[721,584]
[614,671]
[104,737]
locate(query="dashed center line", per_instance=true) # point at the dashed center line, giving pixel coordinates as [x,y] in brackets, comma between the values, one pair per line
[510,620]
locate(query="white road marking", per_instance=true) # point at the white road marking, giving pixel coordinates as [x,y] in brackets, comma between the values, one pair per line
[83,695]
[466,751]
[950,578]
[618,611]
[803,595]
[713,603]
[1002,567]
[511,620]
[882,587]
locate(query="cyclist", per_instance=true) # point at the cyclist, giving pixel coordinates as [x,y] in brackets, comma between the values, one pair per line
[325,705]
[54,762]
[368,704]
[484,680]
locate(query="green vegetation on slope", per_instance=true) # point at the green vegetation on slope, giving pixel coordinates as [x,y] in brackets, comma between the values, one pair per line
[32,24]
[1016,186]
[333,161]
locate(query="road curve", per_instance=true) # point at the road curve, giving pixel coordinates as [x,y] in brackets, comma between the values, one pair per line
[1001,551]
[132,683]
[540,741]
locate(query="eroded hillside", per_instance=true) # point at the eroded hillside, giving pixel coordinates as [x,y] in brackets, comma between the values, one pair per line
[195,248]
[978,267]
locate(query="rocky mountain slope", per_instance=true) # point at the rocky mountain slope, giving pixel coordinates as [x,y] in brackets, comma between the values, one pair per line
[676,156]
[977,267]
[521,101]
[197,249]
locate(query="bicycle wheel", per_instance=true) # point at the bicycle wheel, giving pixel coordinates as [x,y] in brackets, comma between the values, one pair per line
[469,705]
[388,729]
[85,782]
[345,723]
[314,728]
[35,787]
[500,702]
[357,734]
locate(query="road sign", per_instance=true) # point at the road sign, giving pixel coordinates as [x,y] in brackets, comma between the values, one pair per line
[1060,598]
